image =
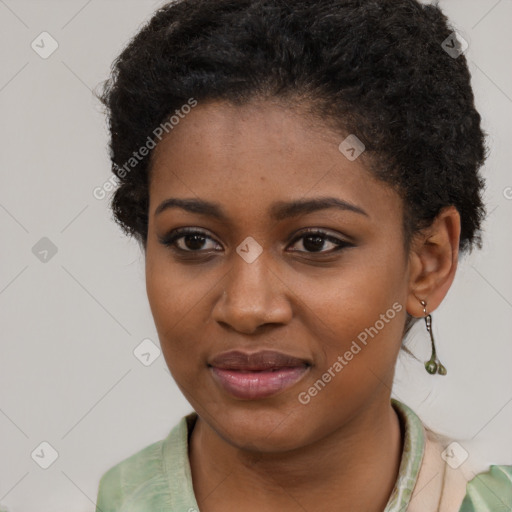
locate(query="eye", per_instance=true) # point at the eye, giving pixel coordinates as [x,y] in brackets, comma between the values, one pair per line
[191,240]
[188,240]
[313,240]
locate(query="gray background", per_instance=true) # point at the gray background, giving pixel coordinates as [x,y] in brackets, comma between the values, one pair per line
[68,374]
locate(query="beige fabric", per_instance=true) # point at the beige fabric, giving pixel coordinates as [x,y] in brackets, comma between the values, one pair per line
[439,487]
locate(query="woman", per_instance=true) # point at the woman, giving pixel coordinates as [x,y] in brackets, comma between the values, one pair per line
[302,177]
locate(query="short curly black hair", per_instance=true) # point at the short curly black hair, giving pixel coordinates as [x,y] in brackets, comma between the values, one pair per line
[378,69]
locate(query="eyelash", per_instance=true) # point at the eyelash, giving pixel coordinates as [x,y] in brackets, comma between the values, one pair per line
[170,240]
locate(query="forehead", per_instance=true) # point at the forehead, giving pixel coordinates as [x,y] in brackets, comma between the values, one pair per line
[260,153]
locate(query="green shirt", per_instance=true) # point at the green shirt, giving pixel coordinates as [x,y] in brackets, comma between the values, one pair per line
[158,477]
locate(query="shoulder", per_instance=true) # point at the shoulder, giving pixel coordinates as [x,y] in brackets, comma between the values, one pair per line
[151,478]
[464,491]
[447,483]
[489,490]
[129,478]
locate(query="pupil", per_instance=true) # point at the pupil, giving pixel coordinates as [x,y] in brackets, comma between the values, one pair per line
[197,241]
[317,244]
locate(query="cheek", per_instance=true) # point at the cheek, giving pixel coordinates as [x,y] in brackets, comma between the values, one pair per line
[175,292]
[359,316]
[354,297]
[175,297]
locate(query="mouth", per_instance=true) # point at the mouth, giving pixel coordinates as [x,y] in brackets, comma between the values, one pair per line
[258,375]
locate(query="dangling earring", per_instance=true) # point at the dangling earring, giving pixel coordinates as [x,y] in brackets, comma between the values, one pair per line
[433,365]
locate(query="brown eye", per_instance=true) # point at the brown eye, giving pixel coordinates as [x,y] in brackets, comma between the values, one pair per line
[188,240]
[316,240]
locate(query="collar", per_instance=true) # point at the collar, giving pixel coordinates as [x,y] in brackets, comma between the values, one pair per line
[412,456]
[178,473]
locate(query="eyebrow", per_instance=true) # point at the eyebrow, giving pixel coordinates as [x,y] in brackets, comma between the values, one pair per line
[278,211]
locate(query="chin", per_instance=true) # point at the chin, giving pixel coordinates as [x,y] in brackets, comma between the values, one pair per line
[258,427]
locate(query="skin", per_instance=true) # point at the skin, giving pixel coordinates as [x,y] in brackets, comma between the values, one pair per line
[342,450]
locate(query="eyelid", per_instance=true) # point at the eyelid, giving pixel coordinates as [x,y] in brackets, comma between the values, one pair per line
[321,231]
[341,242]
[170,238]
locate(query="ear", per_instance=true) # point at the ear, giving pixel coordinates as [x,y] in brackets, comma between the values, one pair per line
[433,262]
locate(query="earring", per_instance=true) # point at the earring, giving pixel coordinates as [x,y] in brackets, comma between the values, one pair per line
[433,365]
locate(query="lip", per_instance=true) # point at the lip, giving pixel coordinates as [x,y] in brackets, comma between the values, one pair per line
[253,376]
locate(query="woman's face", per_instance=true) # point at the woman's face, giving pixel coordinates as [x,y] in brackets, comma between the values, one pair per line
[330,307]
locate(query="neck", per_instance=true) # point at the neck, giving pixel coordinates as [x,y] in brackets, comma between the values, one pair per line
[355,467]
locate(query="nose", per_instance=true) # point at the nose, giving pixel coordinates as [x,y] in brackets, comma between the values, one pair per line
[254,295]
